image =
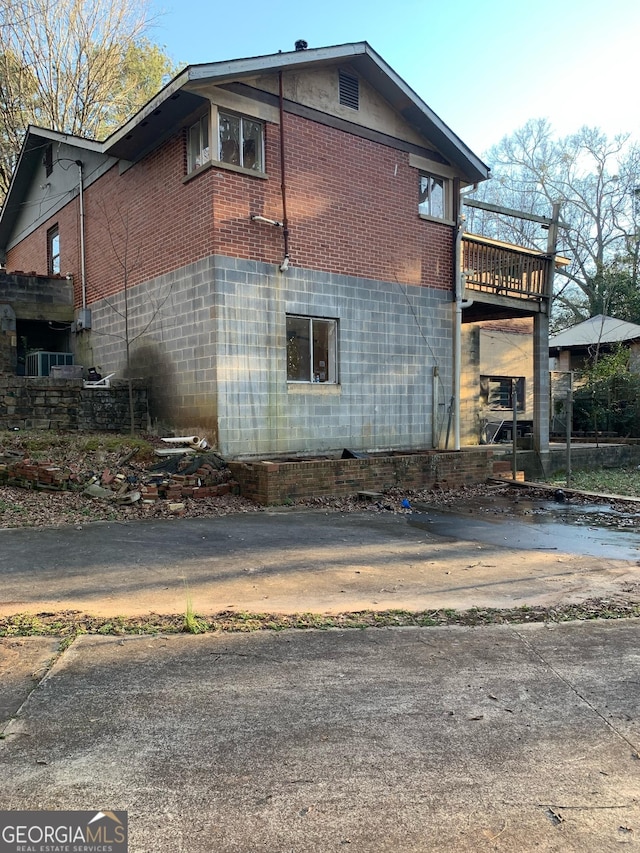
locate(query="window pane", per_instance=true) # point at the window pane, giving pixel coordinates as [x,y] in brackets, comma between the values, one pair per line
[194,144]
[53,251]
[252,145]
[437,198]
[204,139]
[198,149]
[324,350]
[229,129]
[298,349]
[423,205]
[432,200]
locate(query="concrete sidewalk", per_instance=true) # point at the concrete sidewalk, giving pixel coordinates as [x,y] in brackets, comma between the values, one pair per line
[451,739]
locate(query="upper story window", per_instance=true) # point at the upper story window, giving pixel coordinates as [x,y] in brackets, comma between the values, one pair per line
[198,151]
[47,160]
[241,141]
[53,251]
[434,199]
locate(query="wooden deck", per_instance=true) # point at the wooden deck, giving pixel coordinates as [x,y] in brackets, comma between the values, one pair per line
[495,269]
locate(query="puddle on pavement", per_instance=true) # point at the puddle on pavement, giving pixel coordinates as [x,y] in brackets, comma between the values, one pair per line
[528,524]
[546,511]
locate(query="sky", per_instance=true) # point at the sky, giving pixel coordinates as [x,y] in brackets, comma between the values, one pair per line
[484,66]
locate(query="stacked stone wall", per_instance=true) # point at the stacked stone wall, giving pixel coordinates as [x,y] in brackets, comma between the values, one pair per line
[65,404]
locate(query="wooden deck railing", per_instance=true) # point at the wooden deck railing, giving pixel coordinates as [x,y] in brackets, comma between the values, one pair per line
[495,269]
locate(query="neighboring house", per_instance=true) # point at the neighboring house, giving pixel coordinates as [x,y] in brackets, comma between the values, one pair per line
[576,347]
[273,244]
[499,363]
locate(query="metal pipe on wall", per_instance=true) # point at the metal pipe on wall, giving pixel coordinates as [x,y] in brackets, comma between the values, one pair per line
[283,183]
[83,279]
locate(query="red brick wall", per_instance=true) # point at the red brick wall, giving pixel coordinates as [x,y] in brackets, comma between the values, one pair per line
[352,208]
[275,482]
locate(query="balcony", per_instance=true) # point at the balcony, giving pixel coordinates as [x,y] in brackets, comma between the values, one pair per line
[504,280]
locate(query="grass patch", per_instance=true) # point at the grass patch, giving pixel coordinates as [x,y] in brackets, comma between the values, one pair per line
[43,445]
[70,624]
[613,481]
[193,624]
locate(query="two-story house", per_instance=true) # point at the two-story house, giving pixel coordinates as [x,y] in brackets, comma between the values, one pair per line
[272,244]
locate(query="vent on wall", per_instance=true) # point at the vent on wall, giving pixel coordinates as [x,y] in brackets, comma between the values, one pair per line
[349,90]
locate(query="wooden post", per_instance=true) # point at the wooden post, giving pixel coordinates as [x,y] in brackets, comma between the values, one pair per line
[514,431]
[569,419]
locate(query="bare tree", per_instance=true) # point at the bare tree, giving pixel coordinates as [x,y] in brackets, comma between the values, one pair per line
[78,66]
[116,226]
[596,180]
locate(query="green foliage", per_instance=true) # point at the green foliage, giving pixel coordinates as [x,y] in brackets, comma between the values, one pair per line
[609,399]
[83,68]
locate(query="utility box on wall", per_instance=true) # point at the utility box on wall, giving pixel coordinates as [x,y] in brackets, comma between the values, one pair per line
[83,320]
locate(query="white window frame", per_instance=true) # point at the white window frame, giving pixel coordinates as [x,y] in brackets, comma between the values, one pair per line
[53,250]
[259,166]
[199,155]
[427,205]
[321,370]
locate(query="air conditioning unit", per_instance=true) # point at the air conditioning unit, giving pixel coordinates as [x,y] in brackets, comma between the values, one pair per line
[40,363]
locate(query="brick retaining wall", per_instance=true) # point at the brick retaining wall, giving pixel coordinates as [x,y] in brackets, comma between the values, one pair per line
[275,482]
[51,403]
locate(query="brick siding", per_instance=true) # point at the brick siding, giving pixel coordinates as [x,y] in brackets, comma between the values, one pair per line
[352,206]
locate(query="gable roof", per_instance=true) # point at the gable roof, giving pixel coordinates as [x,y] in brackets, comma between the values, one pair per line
[176,102]
[600,329]
[158,119]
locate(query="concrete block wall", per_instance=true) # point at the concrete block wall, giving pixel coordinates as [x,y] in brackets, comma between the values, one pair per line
[213,355]
[390,337]
[172,334]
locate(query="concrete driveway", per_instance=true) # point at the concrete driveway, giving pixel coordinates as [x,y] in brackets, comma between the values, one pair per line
[450,739]
[455,739]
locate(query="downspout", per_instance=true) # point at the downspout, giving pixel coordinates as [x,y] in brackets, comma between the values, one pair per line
[83,277]
[285,222]
[460,303]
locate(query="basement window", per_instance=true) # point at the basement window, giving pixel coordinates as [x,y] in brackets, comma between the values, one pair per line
[311,349]
[496,392]
[349,86]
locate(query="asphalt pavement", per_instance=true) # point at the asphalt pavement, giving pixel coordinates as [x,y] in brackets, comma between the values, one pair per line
[299,561]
